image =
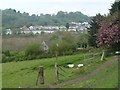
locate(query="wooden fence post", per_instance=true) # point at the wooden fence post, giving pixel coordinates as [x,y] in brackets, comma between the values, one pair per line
[40,75]
[56,72]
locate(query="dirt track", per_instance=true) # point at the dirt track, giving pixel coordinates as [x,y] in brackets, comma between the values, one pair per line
[90,75]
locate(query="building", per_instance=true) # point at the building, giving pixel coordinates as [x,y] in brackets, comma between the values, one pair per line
[74,27]
[8,32]
[25,30]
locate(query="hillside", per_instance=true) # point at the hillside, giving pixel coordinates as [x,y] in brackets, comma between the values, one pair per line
[14,19]
[94,73]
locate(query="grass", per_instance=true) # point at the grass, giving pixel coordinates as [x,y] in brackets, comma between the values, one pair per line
[0,76]
[24,74]
[107,78]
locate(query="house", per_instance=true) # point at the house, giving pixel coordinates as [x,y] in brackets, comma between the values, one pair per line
[36,32]
[35,27]
[62,27]
[48,31]
[31,27]
[75,27]
[8,32]
[25,30]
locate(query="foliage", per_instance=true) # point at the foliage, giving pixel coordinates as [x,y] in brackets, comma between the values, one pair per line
[115,7]
[61,43]
[83,40]
[9,56]
[32,45]
[67,26]
[68,43]
[33,50]
[94,30]
[66,47]
[13,19]
[109,32]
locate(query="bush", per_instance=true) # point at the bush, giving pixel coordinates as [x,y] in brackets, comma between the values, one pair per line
[34,50]
[63,48]
[6,53]
[7,59]
[8,56]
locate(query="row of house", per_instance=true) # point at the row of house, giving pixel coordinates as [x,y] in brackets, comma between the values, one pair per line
[74,27]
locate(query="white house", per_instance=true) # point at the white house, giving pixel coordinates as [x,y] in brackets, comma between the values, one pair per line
[36,31]
[48,31]
[31,27]
[25,30]
[8,31]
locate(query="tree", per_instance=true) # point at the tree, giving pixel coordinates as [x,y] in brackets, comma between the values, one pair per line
[115,7]
[12,19]
[109,33]
[63,39]
[94,29]
[67,26]
[83,40]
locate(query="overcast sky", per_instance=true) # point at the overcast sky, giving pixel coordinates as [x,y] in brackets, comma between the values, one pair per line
[87,7]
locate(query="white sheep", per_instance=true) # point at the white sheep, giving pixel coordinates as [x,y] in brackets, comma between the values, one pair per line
[19,87]
[70,65]
[80,65]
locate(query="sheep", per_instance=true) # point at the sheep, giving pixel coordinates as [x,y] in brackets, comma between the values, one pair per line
[80,65]
[70,65]
[19,87]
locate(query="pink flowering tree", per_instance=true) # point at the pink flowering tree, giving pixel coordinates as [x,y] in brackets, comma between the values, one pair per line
[109,32]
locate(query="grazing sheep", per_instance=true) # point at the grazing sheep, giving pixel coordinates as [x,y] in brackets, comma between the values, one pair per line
[19,87]
[80,65]
[117,52]
[70,65]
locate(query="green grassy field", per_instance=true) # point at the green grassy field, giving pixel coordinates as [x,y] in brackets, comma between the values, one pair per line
[24,74]
[106,78]
[0,76]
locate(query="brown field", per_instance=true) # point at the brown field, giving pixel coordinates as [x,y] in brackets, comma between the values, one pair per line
[19,43]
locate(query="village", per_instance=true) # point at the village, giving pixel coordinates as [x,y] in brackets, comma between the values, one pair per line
[60,44]
[35,30]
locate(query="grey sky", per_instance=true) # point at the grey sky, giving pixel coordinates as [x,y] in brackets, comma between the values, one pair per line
[88,7]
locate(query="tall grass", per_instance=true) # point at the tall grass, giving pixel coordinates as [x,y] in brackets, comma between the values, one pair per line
[19,43]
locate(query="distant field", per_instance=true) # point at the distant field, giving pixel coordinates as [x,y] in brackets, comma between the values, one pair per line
[18,42]
[24,74]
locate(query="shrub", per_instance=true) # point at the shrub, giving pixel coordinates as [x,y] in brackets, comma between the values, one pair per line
[32,51]
[9,56]
[63,48]
[6,53]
